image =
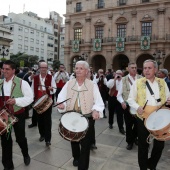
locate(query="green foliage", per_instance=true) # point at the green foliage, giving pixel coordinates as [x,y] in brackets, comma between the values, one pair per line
[56,64]
[29,60]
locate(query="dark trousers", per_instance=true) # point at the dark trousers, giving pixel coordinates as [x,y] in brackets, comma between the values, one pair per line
[83,154]
[131,125]
[45,124]
[34,117]
[57,92]
[93,138]
[6,142]
[143,147]
[113,106]
[104,97]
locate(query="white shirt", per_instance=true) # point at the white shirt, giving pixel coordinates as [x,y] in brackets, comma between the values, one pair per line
[110,84]
[97,80]
[119,95]
[98,102]
[42,82]
[151,100]
[26,91]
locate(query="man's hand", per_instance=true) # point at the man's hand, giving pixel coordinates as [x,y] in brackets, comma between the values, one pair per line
[11,101]
[124,105]
[61,106]
[140,110]
[95,115]
[50,88]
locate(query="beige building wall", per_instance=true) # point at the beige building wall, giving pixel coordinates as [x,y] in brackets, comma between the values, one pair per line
[133,12]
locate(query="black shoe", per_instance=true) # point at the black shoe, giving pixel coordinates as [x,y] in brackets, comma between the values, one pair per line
[149,165]
[27,160]
[75,162]
[104,116]
[110,126]
[129,146]
[93,146]
[48,144]
[31,125]
[41,138]
[136,142]
[122,131]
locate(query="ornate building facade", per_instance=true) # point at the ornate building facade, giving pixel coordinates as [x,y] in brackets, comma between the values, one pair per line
[112,33]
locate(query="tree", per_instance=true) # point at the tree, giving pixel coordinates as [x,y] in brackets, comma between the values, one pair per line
[56,64]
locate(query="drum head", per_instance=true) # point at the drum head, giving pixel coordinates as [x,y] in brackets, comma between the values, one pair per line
[74,122]
[158,120]
[40,100]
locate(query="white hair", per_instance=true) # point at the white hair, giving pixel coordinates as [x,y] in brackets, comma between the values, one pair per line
[86,65]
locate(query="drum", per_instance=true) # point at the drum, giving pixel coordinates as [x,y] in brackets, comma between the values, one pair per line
[158,124]
[42,104]
[6,120]
[73,126]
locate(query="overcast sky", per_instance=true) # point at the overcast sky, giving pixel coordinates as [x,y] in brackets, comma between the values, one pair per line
[40,7]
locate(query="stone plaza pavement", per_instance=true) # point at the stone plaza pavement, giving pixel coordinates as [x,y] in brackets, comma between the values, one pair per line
[111,153]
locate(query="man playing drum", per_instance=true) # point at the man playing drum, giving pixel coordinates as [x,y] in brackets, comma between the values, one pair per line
[146,101]
[43,84]
[85,99]
[15,94]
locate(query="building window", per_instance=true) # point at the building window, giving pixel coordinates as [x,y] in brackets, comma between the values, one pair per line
[42,42]
[56,34]
[32,48]
[19,46]
[20,29]
[20,37]
[37,33]
[26,30]
[78,34]
[62,38]
[41,28]
[62,46]
[99,32]
[50,37]
[78,7]
[32,40]
[37,41]
[145,1]
[32,31]
[121,30]
[50,45]
[37,49]
[55,26]
[26,39]
[146,28]
[42,50]
[56,41]
[100,4]
[42,35]
[25,47]
[122,2]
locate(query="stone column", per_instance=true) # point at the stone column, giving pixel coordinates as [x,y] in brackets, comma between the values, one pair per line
[161,23]
[87,29]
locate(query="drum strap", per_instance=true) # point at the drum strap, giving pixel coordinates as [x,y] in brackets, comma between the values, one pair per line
[151,91]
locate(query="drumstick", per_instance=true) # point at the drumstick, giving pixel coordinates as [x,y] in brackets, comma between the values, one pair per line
[161,106]
[47,86]
[145,104]
[61,102]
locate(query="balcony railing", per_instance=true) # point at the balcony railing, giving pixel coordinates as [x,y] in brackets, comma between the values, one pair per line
[100,5]
[79,9]
[133,38]
[80,41]
[121,2]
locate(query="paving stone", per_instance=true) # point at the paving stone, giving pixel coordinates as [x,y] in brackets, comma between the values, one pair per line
[54,156]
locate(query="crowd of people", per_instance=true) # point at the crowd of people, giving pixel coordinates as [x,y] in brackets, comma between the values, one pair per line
[90,93]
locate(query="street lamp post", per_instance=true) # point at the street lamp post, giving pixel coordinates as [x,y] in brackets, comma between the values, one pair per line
[159,57]
[3,51]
